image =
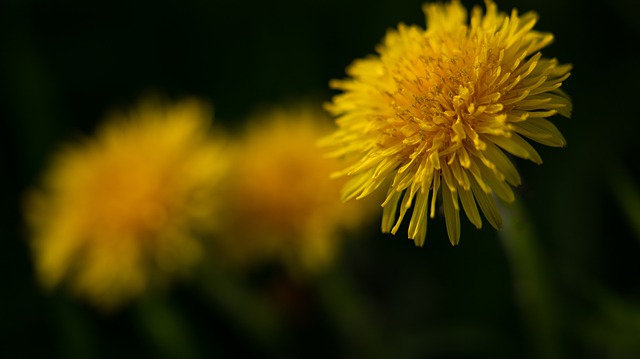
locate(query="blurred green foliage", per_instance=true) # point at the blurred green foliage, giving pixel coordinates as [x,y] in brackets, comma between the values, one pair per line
[64,63]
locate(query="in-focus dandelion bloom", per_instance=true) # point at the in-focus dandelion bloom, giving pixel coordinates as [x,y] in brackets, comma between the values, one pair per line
[280,204]
[436,108]
[122,212]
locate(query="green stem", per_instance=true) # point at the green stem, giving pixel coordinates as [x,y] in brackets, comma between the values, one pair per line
[534,291]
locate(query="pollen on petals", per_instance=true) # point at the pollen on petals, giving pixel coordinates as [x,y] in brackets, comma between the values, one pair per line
[438,110]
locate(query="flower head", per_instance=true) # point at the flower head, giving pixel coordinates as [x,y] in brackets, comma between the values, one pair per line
[281,205]
[436,109]
[122,211]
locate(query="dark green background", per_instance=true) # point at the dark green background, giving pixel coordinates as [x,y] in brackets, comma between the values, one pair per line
[63,64]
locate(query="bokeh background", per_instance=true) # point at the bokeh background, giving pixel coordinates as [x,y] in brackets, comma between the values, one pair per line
[568,288]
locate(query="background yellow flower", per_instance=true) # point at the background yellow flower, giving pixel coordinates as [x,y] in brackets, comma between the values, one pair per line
[436,108]
[280,204]
[121,212]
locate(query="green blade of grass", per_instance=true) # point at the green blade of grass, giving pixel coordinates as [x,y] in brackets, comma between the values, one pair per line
[166,329]
[627,194]
[249,310]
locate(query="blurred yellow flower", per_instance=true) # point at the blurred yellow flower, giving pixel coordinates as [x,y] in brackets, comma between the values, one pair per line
[436,108]
[280,204]
[121,212]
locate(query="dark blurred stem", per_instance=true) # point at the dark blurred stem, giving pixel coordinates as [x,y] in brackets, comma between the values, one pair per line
[626,193]
[532,282]
[166,329]
[75,332]
[249,310]
[350,315]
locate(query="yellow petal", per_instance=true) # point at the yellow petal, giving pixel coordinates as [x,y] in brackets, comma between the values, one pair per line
[517,146]
[541,130]
[487,205]
[451,215]
[470,208]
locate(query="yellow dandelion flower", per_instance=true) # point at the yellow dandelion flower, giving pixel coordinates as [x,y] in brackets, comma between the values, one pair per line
[281,205]
[436,108]
[121,212]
